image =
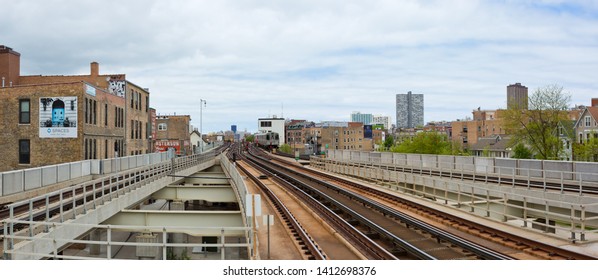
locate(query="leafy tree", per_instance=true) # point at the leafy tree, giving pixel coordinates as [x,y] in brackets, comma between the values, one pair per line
[522,152]
[587,151]
[388,142]
[486,151]
[249,138]
[286,148]
[537,126]
[424,143]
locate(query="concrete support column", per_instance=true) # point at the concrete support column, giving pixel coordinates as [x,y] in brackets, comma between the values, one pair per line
[175,237]
[147,252]
[95,235]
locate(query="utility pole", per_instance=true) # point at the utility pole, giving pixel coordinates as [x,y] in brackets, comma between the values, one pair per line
[202,103]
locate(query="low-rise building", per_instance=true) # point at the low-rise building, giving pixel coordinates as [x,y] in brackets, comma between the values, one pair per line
[273,124]
[173,133]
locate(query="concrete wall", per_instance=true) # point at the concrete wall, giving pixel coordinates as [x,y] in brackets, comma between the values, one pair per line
[586,171]
[429,161]
[446,162]
[13,182]
[529,167]
[505,166]
[464,163]
[483,164]
[556,169]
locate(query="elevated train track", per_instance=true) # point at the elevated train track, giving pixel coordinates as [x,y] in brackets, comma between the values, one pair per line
[539,249]
[502,178]
[395,230]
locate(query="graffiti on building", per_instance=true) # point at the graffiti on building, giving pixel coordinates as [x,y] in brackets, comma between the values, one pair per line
[58,117]
[117,87]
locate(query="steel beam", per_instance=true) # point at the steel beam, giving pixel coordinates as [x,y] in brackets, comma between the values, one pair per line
[203,222]
[190,192]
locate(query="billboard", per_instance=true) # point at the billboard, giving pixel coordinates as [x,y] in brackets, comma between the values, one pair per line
[153,122]
[164,145]
[58,117]
[367,131]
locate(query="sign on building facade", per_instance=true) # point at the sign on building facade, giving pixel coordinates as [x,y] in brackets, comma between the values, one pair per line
[58,117]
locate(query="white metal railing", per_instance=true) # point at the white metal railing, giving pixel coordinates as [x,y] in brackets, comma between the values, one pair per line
[14,182]
[241,192]
[68,202]
[110,241]
[477,198]
[485,169]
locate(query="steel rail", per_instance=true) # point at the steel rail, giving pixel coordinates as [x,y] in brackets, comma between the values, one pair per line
[369,247]
[536,245]
[312,248]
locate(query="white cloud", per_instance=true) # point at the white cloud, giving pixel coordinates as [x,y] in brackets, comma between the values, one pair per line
[322,59]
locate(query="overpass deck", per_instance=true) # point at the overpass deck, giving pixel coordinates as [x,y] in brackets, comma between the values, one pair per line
[107,206]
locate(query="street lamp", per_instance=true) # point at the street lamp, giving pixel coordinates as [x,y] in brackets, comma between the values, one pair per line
[202,103]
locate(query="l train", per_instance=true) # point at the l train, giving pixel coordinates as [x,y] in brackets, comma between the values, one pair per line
[267,140]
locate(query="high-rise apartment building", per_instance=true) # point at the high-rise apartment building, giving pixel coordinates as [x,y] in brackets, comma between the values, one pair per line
[362,118]
[383,120]
[517,96]
[410,110]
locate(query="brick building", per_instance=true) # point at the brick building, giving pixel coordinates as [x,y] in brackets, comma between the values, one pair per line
[342,137]
[136,113]
[173,132]
[484,124]
[60,122]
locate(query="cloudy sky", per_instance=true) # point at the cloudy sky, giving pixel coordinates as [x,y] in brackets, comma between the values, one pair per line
[319,60]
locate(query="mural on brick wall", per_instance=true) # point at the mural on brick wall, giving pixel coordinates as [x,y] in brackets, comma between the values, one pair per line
[58,117]
[117,87]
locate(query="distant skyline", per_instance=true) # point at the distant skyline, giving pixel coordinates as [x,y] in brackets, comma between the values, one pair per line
[319,60]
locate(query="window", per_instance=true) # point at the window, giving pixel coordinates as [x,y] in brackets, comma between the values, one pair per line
[588,121]
[95,115]
[24,111]
[162,127]
[266,124]
[105,114]
[86,111]
[95,146]
[24,152]
[146,104]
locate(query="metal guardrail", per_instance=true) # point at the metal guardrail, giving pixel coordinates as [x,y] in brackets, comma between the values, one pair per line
[582,172]
[67,203]
[476,198]
[161,247]
[14,182]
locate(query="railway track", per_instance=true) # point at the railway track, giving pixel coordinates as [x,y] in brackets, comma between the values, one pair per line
[538,249]
[394,232]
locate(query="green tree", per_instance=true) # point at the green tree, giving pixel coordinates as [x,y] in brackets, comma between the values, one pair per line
[522,152]
[249,138]
[388,142]
[587,151]
[424,143]
[286,148]
[536,126]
